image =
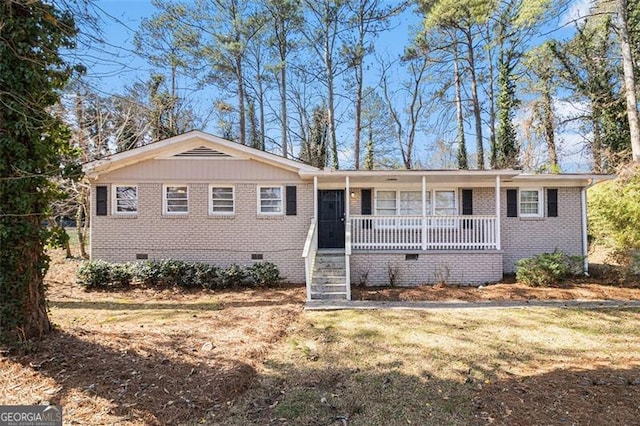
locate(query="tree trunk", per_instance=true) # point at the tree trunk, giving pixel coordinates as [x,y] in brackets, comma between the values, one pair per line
[629,78]
[36,320]
[283,104]
[358,113]
[330,110]
[475,101]
[82,220]
[492,108]
[462,148]
[549,130]
[241,111]
[596,143]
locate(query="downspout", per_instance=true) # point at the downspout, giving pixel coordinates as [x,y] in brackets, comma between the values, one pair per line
[585,243]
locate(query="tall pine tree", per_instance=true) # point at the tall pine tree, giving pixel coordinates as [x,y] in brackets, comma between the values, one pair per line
[32,144]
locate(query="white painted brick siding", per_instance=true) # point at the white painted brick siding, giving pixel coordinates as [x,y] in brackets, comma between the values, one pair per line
[203,238]
[431,268]
[526,237]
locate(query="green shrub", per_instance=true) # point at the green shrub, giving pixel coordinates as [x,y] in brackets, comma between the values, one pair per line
[122,274]
[148,272]
[201,275]
[547,268]
[101,274]
[176,273]
[233,276]
[95,273]
[614,216]
[264,274]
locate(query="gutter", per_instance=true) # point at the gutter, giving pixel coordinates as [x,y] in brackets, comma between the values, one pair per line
[585,243]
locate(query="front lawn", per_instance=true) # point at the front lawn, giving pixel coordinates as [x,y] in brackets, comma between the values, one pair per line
[470,366]
[149,356]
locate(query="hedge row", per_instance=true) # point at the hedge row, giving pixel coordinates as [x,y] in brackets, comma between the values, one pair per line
[176,273]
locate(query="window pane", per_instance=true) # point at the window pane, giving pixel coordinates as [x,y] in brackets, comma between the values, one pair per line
[271,200]
[529,202]
[222,193]
[177,199]
[222,200]
[273,193]
[126,199]
[410,203]
[271,209]
[445,202]
[386,203]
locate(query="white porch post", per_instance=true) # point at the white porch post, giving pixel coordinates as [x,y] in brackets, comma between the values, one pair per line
[315,197]
[347,238]
[424,213]
[347,197]
[498,220]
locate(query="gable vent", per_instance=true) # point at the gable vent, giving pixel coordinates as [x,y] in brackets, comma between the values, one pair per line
[202,151]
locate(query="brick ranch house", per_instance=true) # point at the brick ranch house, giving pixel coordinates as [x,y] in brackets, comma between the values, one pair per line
[197,197]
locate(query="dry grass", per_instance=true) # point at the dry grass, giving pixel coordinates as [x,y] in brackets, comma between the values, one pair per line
[145,356]
[525,366]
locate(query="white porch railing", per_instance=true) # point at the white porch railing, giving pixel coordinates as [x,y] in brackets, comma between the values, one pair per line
[423,233]
[347,261]
[309,254]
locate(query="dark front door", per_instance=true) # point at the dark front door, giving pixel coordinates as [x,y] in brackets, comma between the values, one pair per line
[331,218]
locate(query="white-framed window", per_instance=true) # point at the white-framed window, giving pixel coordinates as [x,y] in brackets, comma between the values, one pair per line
[270,200]
[409,203]
[125,199]
[221,200]
[530,202]
[386,203]
[176,199]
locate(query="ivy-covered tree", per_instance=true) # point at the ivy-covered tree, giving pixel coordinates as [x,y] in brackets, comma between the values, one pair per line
[314,150]
[32,145]
[507,151]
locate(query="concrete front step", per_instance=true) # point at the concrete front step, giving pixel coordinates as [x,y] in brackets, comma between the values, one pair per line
[329,277]
[329,280]
[326,295]
[329,288]
[320,265]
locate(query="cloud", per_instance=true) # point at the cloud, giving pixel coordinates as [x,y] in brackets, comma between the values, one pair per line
[577,12]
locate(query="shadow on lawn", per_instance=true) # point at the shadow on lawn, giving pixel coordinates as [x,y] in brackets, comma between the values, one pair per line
[602,396]
[306,395]
[126,306]
[136,383]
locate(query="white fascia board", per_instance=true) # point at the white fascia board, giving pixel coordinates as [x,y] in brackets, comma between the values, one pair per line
[404,172]
[581,179]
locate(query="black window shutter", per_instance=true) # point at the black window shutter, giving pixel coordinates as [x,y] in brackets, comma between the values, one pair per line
[512,202]
[101,200]
[366,201]
[552,202]
[365,207]
[291,201]
[467,207]
[467,202]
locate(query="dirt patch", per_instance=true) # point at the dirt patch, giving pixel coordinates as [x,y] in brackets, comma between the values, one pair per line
[145,356]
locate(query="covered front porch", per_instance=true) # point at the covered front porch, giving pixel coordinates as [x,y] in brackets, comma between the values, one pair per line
[392,215]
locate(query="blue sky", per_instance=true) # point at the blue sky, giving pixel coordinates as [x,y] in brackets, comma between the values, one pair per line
[117,65]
